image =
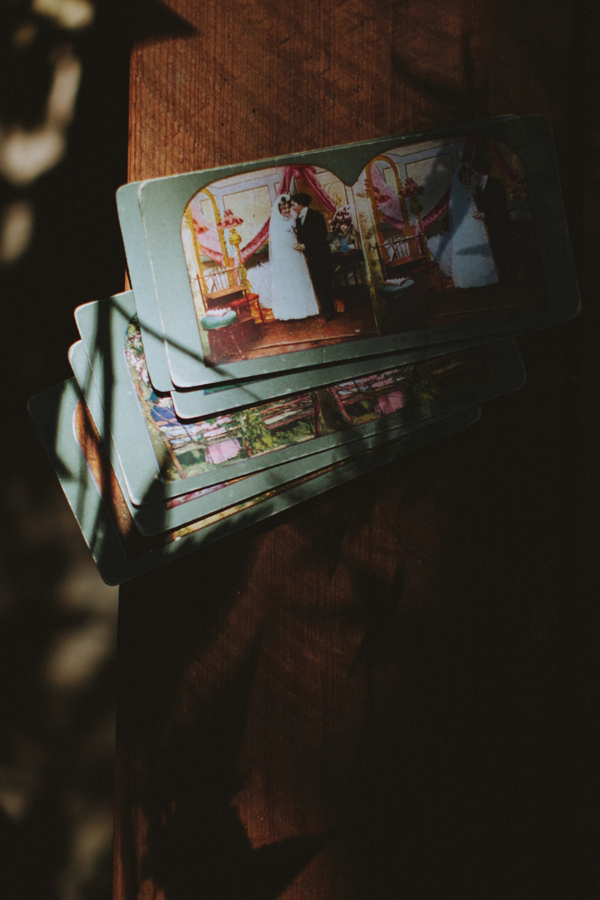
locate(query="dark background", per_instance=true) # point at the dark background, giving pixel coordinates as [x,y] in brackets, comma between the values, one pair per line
[57,618]
[494,651]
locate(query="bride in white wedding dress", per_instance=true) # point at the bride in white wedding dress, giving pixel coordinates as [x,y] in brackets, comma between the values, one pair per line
[291,291]
[472,259]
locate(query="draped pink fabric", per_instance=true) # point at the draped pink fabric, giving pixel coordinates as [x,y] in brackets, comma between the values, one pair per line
[441,207]
[287,180]
[262,235]
[206,234]
[256,242]
[387,200]
[208,237]
[308,174]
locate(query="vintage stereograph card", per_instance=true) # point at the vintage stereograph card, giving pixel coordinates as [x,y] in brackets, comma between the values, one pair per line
[163,456]
[357,250]
[139,267]
[195,404]
[93,493]
[156,517]
[102,324]
[200,402]
[176,512]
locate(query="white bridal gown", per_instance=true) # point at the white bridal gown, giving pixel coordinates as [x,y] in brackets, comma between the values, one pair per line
[472,260]
[292,293]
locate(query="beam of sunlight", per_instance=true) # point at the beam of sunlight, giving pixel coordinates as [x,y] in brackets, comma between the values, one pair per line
[16,230]
[71,14]
[27,154]
[82,590]
[91,840]
[77,655]
[20,779]
[63,91]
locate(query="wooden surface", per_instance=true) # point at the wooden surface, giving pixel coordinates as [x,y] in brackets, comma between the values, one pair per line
[386,693]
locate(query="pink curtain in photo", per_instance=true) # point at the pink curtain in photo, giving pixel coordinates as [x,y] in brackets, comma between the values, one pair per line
[208,236]
[386,198]
[306,173]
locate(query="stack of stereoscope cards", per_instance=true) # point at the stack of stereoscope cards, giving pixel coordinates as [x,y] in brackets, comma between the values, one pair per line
[295,322]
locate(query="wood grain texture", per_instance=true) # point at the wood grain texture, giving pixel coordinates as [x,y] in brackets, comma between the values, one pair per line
[384,693]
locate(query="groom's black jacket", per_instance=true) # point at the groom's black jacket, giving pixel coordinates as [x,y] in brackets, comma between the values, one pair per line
[313,234]
[492,202]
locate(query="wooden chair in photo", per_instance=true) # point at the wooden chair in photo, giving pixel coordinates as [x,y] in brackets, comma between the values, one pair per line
[224,287]
[406,256]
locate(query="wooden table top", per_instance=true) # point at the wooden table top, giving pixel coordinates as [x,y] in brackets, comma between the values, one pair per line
[378,694]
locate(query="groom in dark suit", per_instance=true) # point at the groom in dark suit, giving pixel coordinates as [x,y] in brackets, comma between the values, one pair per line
[492,206]
[311,232]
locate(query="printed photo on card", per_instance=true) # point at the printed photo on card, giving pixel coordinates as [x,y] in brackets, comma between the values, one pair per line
[222,499]
[119,551]
[358,250]
[162,456]
[106,324]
